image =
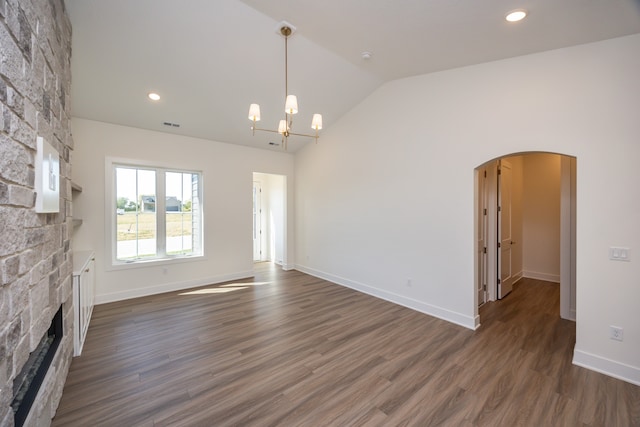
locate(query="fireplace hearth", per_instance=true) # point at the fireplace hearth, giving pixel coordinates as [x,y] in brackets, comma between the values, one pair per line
[27,383]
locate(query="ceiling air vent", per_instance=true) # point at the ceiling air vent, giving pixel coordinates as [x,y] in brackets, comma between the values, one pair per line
[173,125]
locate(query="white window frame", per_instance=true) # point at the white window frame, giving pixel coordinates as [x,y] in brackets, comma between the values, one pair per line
[111,214]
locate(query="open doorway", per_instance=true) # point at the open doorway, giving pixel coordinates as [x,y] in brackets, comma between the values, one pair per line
[525,225]
[269,217]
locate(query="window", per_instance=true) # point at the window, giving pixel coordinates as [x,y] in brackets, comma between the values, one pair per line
[157,213]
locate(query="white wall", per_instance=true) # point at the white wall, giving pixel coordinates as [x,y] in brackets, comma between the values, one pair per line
[541,229]
[387,193]
[227,173]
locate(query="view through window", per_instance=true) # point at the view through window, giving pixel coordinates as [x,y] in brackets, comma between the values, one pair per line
[158,213]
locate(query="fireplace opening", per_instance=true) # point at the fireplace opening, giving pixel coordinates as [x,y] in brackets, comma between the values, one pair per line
[27,383]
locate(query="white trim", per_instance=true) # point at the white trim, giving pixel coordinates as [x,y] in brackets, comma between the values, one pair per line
[492,231]
[161,209]
[606,366]
[555,278]
[568,238]
[517,277]
[170,287]
[432,310]
[110,223]
[155,262]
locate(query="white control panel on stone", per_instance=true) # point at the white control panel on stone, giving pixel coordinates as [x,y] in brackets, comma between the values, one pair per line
[619,254]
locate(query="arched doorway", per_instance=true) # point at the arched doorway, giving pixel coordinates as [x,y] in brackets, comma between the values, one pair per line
[540,190]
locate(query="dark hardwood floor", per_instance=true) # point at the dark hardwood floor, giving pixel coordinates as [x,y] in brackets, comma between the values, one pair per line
[288,349]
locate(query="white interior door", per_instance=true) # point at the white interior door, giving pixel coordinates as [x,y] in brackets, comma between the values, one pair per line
[505,278]
[482,236]
[257,221]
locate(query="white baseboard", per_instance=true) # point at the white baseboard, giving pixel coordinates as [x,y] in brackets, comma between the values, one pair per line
[288,267]
[570,316]
[621,371]
[169,287]
[555,278]
[470,322]
[285,266]
[517,277]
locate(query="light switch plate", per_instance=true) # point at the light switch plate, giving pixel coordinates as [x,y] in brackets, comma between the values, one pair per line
[617,253]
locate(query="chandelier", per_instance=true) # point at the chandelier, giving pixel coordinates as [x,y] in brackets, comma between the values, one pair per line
[290,104]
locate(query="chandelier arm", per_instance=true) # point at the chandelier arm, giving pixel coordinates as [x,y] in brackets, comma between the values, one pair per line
[265,130]
[303,134]
[289,133]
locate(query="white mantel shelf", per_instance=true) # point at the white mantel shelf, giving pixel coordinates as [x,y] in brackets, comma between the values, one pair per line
[80,260]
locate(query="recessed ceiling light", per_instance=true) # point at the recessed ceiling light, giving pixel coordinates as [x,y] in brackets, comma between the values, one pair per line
[516,15]
[154,96]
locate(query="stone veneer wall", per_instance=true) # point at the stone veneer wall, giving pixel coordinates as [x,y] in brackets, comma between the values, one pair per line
[35,249]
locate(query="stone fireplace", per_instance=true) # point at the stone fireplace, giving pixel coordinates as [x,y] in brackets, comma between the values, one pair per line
[26,384]
[35,248]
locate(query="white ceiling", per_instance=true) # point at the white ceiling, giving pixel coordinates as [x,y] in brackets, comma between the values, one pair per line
[209,59]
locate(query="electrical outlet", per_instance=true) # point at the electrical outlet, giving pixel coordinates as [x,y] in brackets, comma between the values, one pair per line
[615,333]
[409,283]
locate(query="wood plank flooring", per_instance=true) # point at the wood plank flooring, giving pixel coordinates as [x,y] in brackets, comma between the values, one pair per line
[288,349]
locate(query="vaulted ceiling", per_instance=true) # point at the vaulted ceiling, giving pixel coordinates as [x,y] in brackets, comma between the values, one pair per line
[209,59]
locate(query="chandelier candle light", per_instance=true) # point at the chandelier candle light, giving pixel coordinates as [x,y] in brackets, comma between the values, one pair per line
[290,104]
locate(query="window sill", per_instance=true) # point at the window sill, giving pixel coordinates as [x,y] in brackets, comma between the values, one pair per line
[156,262]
